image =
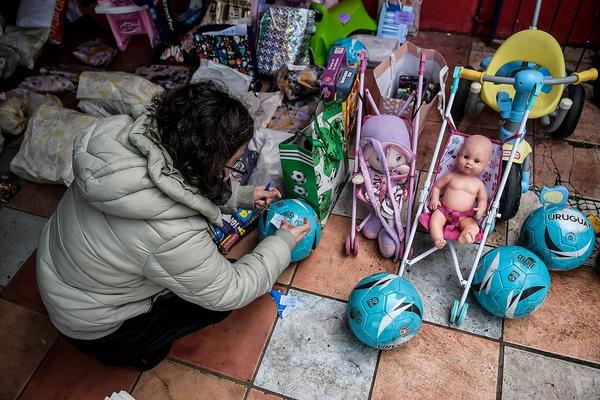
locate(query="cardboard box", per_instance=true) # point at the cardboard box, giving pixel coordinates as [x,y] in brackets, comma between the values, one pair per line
[405,61]
[330,76]
[345,82]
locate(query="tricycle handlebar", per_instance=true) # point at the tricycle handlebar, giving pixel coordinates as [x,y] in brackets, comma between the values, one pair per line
[576,78]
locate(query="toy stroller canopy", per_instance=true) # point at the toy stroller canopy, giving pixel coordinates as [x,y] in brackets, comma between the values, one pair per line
[388,129]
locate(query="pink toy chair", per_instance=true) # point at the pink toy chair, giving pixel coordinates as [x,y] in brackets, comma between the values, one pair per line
[126,20]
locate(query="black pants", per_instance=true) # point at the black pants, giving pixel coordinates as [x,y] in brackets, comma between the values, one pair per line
[144,341]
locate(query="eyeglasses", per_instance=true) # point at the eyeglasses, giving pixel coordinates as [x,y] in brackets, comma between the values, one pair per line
[240,172]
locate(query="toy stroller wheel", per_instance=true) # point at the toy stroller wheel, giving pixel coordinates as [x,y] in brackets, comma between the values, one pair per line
[462,314]
[356,246]
[348,246]
[511,197]
[454,312]
[459,107]
[577,94]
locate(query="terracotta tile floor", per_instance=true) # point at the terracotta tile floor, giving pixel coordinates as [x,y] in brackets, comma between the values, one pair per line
[253,355]
[47,198]
[329,272]
[170,380]
[26,337]
[234,346]
[426,374]
[23,287]
[69,374]
[574,333]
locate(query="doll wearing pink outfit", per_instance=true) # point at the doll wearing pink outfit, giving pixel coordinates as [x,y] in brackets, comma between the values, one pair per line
[461,188]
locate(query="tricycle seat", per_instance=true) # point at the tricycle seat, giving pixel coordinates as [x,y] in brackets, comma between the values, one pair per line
[530,46]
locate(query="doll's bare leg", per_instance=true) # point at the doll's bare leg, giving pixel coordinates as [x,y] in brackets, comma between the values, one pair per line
[436,228]
[469,230]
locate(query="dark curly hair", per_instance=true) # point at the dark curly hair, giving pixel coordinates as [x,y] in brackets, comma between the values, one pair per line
[201,126]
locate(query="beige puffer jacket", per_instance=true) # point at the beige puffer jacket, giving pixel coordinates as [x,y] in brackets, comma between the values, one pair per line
[129,228]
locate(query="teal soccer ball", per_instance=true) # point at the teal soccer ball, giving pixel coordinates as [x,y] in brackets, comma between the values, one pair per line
[294,211]
[511,282]
[563,238]
[384,311]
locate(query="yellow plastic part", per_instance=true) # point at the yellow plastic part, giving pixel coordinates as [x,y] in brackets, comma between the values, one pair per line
[587,75]
[470,74]
[554,197]
[535,46]
[595,223]
[523,151]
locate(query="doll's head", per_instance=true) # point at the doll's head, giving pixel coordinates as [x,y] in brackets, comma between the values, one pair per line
[395,156]
[474,156]
[393,135]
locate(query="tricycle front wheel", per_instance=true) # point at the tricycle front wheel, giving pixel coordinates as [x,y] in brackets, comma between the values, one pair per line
[459,107]
[577,95]
[511,196]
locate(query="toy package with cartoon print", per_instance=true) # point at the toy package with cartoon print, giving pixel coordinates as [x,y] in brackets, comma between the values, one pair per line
[235,227]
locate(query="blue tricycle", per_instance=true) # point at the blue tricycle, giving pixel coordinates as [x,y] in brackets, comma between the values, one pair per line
[526,59]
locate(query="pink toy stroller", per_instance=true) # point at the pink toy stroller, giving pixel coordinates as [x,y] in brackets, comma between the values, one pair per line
[384,173]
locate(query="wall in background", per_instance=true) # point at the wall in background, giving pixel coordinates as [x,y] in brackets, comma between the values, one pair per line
[567,20]
[448,15]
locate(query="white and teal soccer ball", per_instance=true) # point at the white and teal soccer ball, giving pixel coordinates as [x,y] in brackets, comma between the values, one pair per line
[384,311]
[294,211]
[563,238]
[511,282]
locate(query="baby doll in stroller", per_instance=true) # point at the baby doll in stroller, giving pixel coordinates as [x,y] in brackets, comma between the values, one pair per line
[384,165]
[462,187]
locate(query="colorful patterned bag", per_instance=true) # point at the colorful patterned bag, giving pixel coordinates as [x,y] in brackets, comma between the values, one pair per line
[234,51]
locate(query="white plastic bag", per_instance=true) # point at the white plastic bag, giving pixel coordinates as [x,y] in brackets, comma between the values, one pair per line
[18,105]
[268,167]
[261,105]
[378,48]
[46,153]
[235,81]
[117,92]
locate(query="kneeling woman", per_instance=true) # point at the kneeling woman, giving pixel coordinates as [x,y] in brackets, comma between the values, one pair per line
[126,265]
